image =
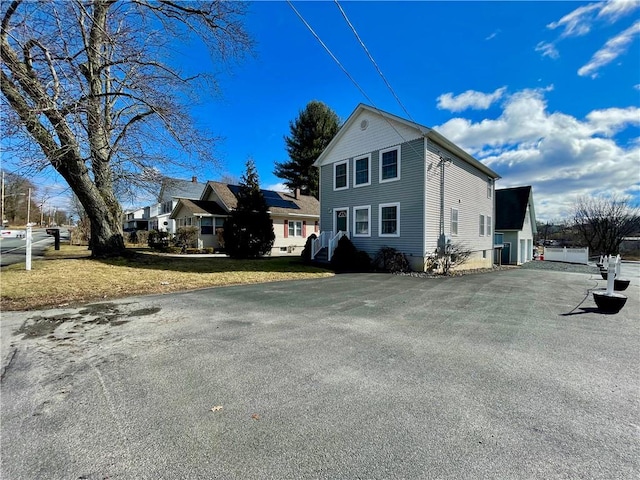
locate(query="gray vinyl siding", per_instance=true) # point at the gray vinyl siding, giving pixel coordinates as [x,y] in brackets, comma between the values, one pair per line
[408,192]
[466,190]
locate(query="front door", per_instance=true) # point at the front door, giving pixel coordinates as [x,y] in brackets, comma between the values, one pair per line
[340,222]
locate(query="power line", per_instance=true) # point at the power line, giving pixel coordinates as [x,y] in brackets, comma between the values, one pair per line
[335,59]
[364,47]
[329,52]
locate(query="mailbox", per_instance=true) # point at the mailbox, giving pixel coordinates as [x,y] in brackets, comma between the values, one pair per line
[56,236]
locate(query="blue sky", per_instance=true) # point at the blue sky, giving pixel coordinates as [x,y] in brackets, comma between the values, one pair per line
[545,93]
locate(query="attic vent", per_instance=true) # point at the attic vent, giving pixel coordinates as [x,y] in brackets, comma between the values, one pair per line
[364,124]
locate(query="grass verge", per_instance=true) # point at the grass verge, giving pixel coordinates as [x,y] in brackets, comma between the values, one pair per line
[69,276]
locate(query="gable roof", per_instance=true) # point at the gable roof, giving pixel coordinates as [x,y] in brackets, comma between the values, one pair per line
[178,188]
[426,132]
[279,203]
[511,208]
[199,207]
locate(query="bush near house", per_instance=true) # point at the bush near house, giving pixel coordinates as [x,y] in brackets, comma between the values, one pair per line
[347,258]
[306,251]
[388,259]
[159,240]
[186,237]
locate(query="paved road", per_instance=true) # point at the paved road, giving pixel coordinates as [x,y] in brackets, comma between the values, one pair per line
[13,250]
[508,375]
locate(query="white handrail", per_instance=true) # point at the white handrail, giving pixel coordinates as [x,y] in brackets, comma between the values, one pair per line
[333,243]
[325,240]
[319,243]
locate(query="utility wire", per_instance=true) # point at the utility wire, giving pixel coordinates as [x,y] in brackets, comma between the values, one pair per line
[364,47]
[335,59]
[330,53]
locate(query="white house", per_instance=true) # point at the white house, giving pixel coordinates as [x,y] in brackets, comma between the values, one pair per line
[170,191]
[387,181]
[294,216]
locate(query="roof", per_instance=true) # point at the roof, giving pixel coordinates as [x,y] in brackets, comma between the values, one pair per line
[279,203]
[178,188]
[511,207]
[424,131]
[201,207]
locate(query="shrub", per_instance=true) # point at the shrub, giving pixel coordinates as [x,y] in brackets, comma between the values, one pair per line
[131,237]
[347,258]
[186,237]
[143,237]
[306,252]
[159,240]
[248,234]
[389,259]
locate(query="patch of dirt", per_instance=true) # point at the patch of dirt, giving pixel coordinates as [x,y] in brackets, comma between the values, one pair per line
[96,314]
[40,326]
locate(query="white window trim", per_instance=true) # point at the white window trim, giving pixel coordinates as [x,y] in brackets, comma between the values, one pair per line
[368,157]
[457,222]
[481,225]
[380,207]
[293,222]
[368,209]
[335,165]
[333,215]
[396,178]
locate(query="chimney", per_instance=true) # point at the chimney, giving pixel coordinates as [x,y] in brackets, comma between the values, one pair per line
[296,193]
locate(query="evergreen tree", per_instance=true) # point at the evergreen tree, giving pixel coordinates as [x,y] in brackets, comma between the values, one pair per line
[311,132]
[248,231]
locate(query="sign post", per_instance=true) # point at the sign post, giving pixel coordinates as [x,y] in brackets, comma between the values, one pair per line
[28,247]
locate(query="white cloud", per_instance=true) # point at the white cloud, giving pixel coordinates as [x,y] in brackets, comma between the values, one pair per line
[277,187]
[563,157]
[580,21]
[493,35]
[614,47]
[577,22]
[469,99]
[548,50]
[618,8]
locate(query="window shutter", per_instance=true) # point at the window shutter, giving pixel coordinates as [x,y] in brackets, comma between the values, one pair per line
[286,229]
[304,229]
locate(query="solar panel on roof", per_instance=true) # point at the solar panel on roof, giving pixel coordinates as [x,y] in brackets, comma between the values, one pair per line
[272,198]
[281,203]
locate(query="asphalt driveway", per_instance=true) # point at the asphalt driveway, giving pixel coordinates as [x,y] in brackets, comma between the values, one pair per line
[504,375]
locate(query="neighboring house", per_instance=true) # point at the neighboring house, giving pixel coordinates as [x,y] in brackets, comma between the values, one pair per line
[516,221]
[170,191]
[294,216]
[136,219]
[387,181]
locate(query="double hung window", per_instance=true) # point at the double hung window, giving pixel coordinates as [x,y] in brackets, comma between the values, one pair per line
[295,228]
[390,164]
[362,221]
[389,220]
[340,175]
[454,221]
[361,171]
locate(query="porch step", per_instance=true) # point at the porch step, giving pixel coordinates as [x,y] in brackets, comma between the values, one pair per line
[321,256]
